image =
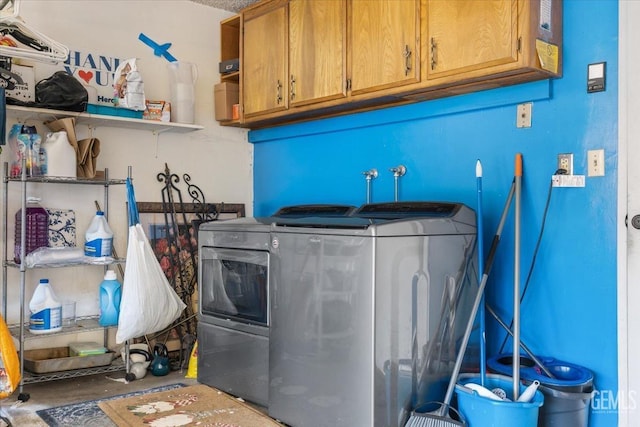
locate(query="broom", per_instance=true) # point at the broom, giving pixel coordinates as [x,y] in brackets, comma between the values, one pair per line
[440,417]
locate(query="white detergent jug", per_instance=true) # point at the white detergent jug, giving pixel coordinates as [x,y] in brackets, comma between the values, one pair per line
[58,156]
[46,310]
[98,240]
[182,77]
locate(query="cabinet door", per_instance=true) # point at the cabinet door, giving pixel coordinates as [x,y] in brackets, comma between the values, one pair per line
[468,35]
[384,41]
[317,50]
[264,81]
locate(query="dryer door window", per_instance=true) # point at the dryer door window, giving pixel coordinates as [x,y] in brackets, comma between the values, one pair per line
[234,284]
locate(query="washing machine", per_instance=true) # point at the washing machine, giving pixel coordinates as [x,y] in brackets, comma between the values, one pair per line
[366,311]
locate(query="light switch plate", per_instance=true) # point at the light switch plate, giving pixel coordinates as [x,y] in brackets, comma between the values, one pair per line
[595,162]
[523,117]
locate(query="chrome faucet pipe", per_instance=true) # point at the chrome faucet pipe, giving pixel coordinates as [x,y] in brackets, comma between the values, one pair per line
[369,175]
[398,171]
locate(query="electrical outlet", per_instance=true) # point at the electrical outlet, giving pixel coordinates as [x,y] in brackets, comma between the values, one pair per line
[565,162]
[595,159]
[523,115]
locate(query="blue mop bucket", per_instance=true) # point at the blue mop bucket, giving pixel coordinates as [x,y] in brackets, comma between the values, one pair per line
[483,412]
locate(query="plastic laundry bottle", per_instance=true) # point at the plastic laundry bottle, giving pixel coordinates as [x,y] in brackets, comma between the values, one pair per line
[36,228]
[58,156]
[46,310]
[110,295]
[99,237]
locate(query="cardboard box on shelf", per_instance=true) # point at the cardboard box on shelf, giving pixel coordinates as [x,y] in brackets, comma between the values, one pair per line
[25,91]
[158,111]
[225,96]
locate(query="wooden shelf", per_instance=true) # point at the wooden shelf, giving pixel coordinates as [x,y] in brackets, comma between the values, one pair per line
[230,77]
[25,114]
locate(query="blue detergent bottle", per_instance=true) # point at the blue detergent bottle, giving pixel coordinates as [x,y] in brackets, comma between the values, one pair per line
[110,295]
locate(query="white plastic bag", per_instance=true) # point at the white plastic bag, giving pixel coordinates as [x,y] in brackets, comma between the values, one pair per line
[149,303]
[129,87]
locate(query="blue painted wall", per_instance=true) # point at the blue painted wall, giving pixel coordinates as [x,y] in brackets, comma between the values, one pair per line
[569,311]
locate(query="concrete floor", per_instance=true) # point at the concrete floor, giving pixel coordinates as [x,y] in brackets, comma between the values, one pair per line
[73,390]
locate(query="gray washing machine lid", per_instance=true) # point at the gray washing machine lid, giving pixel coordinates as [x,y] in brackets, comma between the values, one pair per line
[400,210]
[392,219]
[323,210]
[263,224]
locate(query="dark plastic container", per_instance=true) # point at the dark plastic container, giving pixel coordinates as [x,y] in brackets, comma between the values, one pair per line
[567,397]
[569,377]
[36,231]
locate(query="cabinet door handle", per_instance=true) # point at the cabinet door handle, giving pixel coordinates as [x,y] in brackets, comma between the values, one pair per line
[279,92]
[434,48]
[407,60]
[293,87]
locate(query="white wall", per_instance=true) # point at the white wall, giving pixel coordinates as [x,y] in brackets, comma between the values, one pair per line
[219,159]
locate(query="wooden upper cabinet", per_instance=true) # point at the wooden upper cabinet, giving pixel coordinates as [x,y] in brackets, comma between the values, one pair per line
[265,86]
[467,35]
[317,51]
[470,39]
[384,44]
[302,59]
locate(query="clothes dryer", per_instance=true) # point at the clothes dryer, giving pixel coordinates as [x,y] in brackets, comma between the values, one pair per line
[233,313]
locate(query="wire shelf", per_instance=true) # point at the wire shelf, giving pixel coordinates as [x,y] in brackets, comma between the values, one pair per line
[83,324]
[31,378]
[96,261]
[66,180]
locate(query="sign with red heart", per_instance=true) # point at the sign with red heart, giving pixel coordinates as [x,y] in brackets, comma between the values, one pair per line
[85,75]
[94,70]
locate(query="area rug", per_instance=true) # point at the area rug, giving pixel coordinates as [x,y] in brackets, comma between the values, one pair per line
[197,405]
[88,414]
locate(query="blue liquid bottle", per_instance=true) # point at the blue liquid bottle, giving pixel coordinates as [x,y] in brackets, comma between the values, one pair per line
[110,295]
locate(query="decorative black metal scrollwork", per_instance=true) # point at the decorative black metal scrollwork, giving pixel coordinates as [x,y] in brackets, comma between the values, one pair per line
[180,259]
[175,243]
[202,211]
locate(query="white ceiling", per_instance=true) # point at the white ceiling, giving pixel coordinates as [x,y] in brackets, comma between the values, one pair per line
[230,5]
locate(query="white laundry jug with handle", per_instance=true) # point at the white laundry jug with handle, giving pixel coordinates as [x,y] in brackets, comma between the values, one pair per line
[182,78]
[98,240]
[58,156]
[46,310]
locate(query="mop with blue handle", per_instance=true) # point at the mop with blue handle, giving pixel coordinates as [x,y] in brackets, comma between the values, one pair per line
[441,417]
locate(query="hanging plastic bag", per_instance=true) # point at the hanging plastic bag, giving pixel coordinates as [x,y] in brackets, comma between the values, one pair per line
[149,303]
[9,363]
[129,87]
